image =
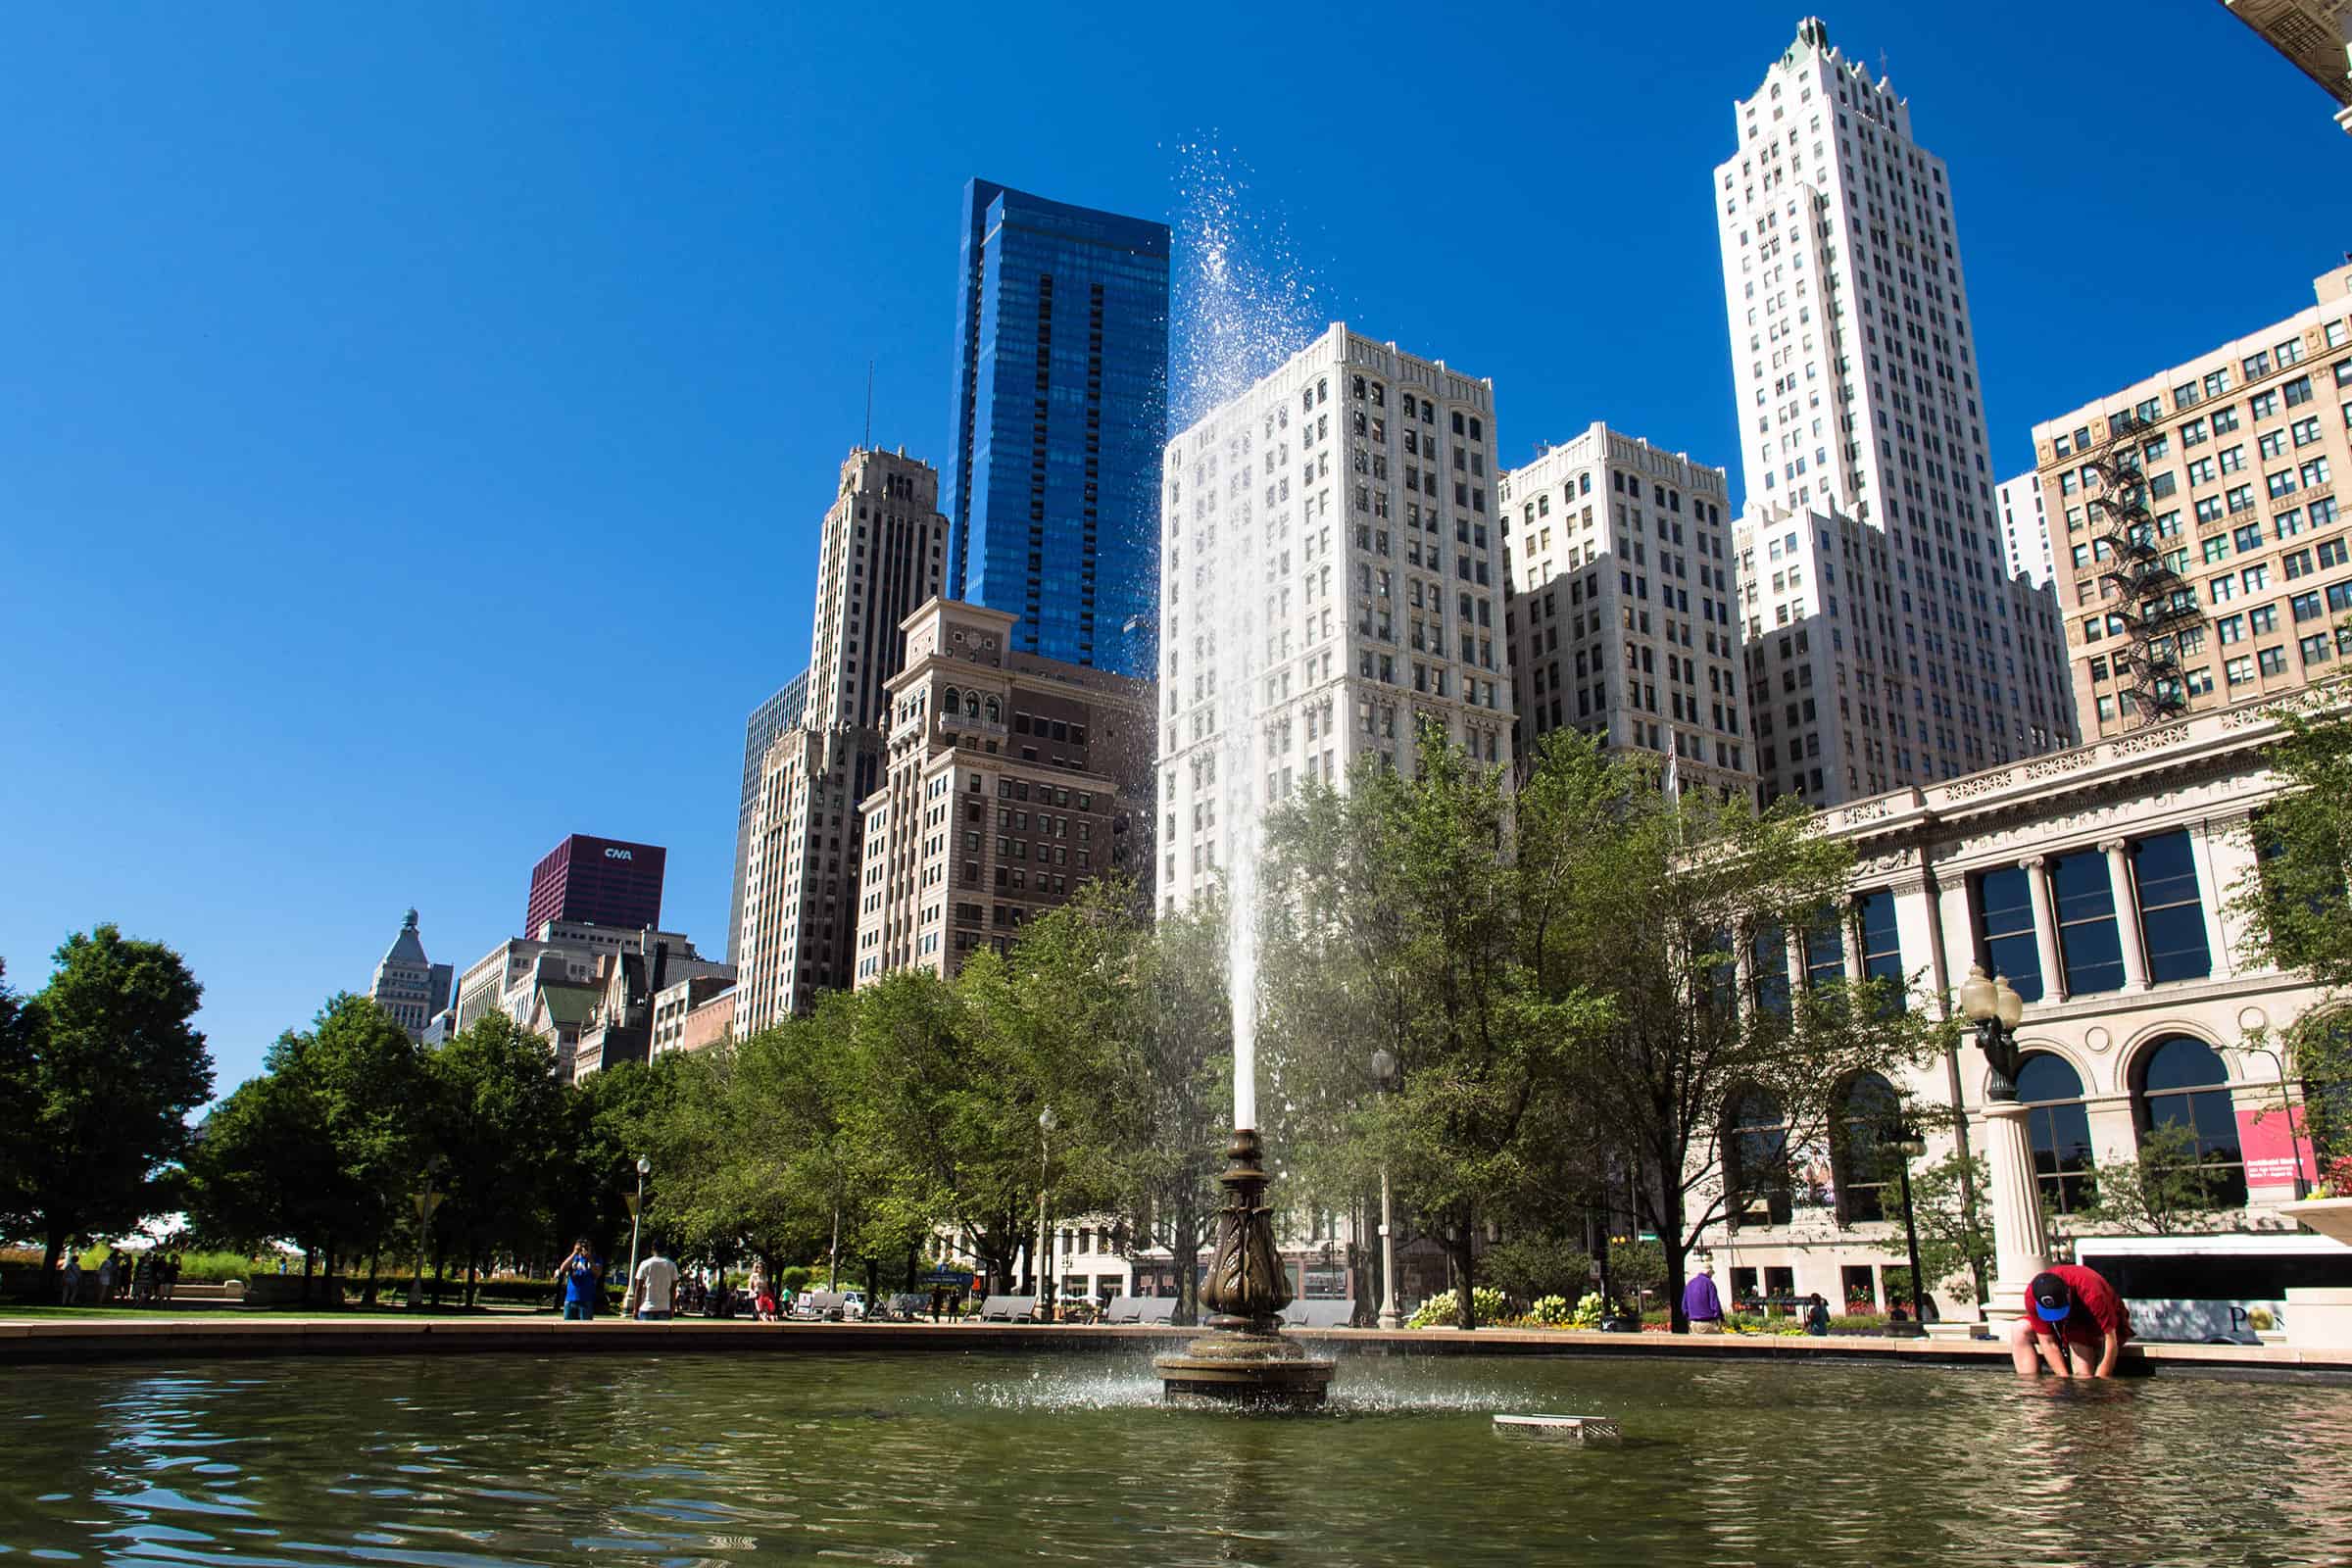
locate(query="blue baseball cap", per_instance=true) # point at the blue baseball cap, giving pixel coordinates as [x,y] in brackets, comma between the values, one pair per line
[2052,1298]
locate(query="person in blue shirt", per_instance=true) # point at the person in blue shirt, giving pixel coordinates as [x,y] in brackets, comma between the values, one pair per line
[583,1283]
[1701,1306]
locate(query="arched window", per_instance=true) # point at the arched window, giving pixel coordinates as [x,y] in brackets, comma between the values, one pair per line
[1868,1116]
[971,705]
[996,711]
[2178,1089]
[1755,1158]
[948,703]
[2060,1126]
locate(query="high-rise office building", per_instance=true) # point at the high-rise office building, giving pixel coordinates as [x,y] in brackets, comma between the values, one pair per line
[2025,529]
[1012,781]
[1621,618]
[1061,374]
[882,552]
[599,881]
[771,718]
[2202,557]
[408,984]
[1855,362]
[1331,588]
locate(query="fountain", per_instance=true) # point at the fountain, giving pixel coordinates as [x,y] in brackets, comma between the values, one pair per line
[1242,320]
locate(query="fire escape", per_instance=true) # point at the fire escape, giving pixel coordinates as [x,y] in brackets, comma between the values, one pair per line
[2149,596]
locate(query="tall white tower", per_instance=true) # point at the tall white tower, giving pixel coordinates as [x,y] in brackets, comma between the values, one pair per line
[1855,361]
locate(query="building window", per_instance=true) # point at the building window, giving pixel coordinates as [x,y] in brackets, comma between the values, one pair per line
[1824,950]
[1757,1155]
[2180,1087]
[2005,938]
[1769,966]
[2088,948]
[2060,1126]
[2172,917]
[1869,1115]
[1881,951]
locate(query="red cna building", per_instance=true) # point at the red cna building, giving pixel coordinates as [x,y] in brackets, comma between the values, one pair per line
[600,881]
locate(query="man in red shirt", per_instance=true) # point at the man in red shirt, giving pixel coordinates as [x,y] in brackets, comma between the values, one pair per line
[2073,1321]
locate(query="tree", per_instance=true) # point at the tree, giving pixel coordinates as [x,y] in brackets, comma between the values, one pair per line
[1131,1024]
[497,1120]
[2162,1190]
[948,1102]
[1710,1077]
[2295,909]
[1955,1241]
[1409,913]
[104,1067]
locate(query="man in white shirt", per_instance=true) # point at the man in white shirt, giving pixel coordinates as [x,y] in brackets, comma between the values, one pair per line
[656,1285]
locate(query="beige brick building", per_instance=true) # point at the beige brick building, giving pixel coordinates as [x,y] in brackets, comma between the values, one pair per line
[1617,557]
[1011,780]
[2233,583]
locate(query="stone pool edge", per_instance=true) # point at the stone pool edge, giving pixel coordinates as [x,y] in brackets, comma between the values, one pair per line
[69,1340]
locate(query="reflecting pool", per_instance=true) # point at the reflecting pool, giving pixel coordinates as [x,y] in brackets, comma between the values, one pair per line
[704,1459]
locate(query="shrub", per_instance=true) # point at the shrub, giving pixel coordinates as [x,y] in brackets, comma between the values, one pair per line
[1440,1309]
[1553,1311]
[1528,1269]
[795,1279]
[1857,1323]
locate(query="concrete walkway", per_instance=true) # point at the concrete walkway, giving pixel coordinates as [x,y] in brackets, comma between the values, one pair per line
[214,1333]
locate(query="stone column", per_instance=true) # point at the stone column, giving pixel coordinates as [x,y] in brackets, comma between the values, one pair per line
[2020,1243]
[2225,856]
[2127,914]
[1849,937]
[2045,927]
[1917,929]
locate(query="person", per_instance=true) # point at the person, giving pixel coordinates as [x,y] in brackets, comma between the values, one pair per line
[1701,1304]
[2073,1323]
[106,1278]
[170,1275]
[72,1282]
[583,1283]
[657,1286]
[1817,1316]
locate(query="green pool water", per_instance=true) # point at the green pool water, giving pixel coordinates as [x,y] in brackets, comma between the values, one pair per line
[953,1459]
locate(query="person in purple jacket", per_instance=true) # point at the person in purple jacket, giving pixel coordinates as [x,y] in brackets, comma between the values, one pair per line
[1701,1304]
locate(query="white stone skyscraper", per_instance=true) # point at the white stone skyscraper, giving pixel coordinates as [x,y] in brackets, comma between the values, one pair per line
[1855,361]
[1331,583]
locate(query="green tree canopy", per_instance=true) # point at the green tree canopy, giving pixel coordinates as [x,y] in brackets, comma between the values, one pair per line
[104,1067]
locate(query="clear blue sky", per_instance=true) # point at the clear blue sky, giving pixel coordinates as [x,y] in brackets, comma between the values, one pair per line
[413,418]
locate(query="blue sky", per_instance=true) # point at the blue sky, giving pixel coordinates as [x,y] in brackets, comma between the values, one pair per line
[414,419]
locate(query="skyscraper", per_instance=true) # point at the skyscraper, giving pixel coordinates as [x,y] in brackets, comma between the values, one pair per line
[1061,374]
[409,986]
[1856,367]
[2024,528]
[1330,590]
[882,552]
[1620,619]
[598,881]
[771,718]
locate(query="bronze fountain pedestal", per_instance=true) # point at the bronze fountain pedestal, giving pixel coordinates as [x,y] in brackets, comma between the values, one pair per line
[1244,1361]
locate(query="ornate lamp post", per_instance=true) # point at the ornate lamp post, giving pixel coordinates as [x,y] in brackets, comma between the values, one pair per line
[1043,1266]
[636,1203]
[1384,1074]
[2020,1243]
[1908,1144]
[426,1201]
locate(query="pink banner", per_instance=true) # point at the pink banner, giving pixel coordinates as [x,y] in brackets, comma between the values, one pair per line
[2276,1150]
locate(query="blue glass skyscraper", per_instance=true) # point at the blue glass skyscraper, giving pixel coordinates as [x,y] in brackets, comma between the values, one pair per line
[1061,361]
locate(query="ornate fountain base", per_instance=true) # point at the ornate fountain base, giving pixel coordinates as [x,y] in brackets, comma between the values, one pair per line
[1244,1361]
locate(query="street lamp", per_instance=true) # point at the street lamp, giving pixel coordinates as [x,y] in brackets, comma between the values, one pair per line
[2021,1242]
[636,1201]
[1045,1123]
[1908,1144]
[1384,1074]
[426,1201]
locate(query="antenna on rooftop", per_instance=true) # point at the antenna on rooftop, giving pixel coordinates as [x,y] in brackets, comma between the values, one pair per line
[869,405]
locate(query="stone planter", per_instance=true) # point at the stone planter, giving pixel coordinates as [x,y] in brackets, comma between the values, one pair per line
[1946,1331]
[2331,1217]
